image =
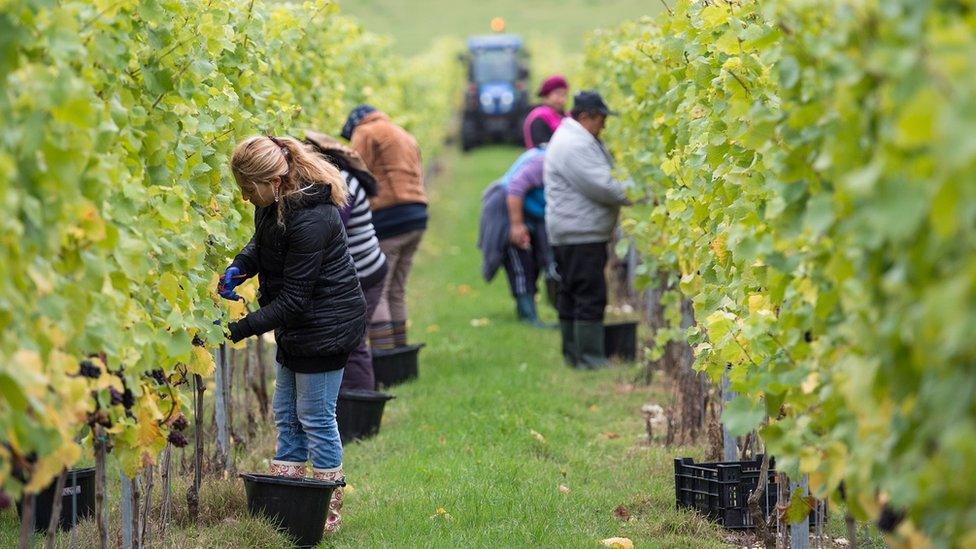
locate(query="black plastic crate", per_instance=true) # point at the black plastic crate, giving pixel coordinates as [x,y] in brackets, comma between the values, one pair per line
[720,491]
[395,366]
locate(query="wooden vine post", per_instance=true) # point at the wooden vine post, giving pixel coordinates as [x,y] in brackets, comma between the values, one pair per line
[52,525]
[193,492]
[27,520]
[101,514]
[220,406]
[167,489]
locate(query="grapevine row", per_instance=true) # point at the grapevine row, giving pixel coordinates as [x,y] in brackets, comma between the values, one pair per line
[118,122]
[808,173]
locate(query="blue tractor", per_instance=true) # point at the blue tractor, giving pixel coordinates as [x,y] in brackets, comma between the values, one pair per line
[496,101]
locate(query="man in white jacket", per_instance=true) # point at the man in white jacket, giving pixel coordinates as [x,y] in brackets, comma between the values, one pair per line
[582,203]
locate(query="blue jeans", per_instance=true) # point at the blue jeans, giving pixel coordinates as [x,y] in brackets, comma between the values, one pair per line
[304,409]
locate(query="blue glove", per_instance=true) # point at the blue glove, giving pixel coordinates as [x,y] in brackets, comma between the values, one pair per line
[232,279]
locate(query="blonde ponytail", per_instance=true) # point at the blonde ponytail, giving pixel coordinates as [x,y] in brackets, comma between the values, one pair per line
[260,159]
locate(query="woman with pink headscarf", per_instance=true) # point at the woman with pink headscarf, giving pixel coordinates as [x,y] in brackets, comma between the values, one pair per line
[543,120]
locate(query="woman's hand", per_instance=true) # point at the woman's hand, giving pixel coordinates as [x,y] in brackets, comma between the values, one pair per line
[232,278]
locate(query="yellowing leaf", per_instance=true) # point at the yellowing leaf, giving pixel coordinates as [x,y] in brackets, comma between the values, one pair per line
[719,248]
[719,324]
[248,291]
[169,287]
[441,513]
[713,16]
[618,543]
[51,465]
[201,362]
[148,416]
[236,309]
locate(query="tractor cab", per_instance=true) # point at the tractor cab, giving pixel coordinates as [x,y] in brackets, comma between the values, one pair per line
[496,101]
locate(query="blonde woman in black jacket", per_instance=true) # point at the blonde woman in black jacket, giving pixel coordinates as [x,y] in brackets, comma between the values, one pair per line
[309,296]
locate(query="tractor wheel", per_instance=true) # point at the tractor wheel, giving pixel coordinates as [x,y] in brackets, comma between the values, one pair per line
[469,134]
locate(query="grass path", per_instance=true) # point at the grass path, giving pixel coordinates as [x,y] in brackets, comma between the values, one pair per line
[463,438]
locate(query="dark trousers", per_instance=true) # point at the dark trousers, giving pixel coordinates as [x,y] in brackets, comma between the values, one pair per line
[359,367]
[583,287]
[523,266]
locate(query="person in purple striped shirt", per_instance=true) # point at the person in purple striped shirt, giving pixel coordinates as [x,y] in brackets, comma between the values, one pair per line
[528,254]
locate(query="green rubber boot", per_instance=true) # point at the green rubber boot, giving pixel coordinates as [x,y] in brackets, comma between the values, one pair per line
[590,343]
[526,311]
[570,352]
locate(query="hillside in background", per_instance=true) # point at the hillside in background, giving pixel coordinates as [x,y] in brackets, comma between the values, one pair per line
[563,23]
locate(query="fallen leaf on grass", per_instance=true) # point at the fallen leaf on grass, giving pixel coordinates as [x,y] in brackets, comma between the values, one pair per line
[594,408]
[479,322]
[624,388]
[622,513]
[618,543]
[463,289]
[441,513]
[610,435]
[564,489]
[537,435]
[433,329]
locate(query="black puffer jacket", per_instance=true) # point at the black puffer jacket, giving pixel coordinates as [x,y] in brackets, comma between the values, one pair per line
[309,292]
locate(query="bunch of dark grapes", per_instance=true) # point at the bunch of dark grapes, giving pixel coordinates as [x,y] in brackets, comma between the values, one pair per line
[115,395]
[180,423]
[159,376]
[177,439]
[88,369]
[198,341]
[890,519]
[128,399]
[5,500]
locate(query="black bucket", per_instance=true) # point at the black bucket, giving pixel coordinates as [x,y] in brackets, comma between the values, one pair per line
[395,366]
[620,341]
[77,501]
[297,506]
[359,413]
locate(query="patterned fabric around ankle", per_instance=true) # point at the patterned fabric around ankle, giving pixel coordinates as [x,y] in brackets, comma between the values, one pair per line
[289,469]
[399,334]
[334,519]
[381,336]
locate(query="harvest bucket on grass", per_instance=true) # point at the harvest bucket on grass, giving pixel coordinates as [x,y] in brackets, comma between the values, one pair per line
[395,366]
[620,340]
[77,500]
[359,413]
[297,506]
